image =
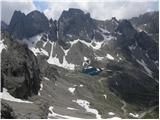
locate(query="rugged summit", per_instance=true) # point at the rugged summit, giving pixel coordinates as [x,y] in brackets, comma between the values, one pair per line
[74,24]
[25,26]
[147,23]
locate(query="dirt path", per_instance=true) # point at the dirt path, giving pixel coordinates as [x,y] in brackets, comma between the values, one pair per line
[123,107]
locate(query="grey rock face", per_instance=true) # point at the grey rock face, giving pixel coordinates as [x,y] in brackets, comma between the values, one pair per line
[148,22]
[139,89]
[20,70]
[74,24]
[127,30]
[35,23]
[6,111]
[128,78]
[53,30]
[148,44]
[46,69]
[24,26]
[16,26]
[109,25]
[98,36]
[77,53]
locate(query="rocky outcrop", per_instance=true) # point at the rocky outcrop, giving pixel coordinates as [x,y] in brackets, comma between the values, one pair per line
[46,69]
[109,25]
[25,26]
[74,24]
[53,30]
[139,89]
[148,44]
[128,33]
[20,70]
[147,22]
[6,111]
[16,26]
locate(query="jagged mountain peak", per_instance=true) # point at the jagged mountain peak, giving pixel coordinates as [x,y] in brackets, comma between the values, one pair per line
[18,12]
[127,29]
[75,24]
[125,23]
[25,26]
[36,15]
[34,12]
[72,11]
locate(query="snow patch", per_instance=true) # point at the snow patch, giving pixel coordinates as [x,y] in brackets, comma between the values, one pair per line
[134,115]
[105,96]
[65,51]
[98,69]
[99,58]
[119,33]
[55,60]
[86,105]
[40,51]
[142,63]
[2,45]
[81,85]
[44,52]
[5,95]
[97,45]
[41,88]
[86,61]
[46,78]
[110,57]
[35,51]
[114,118]
[56,115]
[41,85]
[120,58]
[85,58]
[111,113]
[88,44]
[45,43]
[71,90]
[104,30]
[69,108]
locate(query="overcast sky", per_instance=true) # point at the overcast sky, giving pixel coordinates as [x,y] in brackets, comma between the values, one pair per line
[99,9]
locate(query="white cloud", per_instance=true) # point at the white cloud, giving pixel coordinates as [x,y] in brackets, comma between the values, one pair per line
[9,6]
[101,9]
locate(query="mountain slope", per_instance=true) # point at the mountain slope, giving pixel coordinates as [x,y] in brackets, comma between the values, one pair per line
[126,58]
